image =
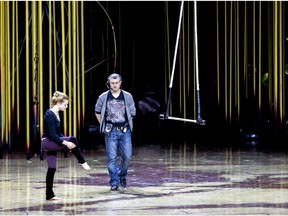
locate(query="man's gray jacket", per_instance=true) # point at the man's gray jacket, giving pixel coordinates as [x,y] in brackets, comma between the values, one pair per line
[100,107]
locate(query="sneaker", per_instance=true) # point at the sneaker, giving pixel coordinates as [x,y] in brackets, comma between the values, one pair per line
[123,182]
[114,188]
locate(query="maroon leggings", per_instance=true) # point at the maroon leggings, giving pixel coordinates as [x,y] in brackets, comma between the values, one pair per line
[51,149]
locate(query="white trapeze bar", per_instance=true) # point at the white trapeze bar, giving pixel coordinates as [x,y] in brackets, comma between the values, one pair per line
[166,115]
[202,122]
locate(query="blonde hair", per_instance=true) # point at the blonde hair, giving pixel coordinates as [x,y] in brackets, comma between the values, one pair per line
[58,97]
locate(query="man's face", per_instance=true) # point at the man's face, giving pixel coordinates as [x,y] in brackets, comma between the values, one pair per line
[115,84]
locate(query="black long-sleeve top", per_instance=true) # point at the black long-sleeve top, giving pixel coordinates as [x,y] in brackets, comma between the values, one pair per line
[51,128]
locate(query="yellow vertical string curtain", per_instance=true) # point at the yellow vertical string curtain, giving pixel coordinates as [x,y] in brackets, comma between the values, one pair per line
[63,61]
[33,71]
[34,59]
[82,62]
[217,56]
[270,57]
[237,62]
[281,65]
[70,87]
[275,58]
[225,62]
[8,80]
[254,51]
[74,77]
[54,46]
[27,78]
[181,65]
[184,68]
[230,74]
[17,74]
[245,51]
[78,71]
[235,95]
[283,72]
[189,77]
[40,68]
[13,68]
[1,71]
[260,58]
[50,33]
[8,72]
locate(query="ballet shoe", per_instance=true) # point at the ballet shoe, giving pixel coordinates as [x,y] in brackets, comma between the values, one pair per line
[55,198]
[86,166]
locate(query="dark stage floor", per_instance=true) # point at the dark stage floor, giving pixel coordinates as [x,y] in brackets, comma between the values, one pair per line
[165,178]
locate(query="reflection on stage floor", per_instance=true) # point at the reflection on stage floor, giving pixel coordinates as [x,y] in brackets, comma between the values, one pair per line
[182,179]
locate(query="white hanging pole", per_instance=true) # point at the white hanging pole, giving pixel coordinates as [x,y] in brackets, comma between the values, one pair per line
[176,45]
[196,45]
[166,115]
[199,119]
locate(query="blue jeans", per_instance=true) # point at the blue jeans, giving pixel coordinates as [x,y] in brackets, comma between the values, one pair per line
[114,140]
